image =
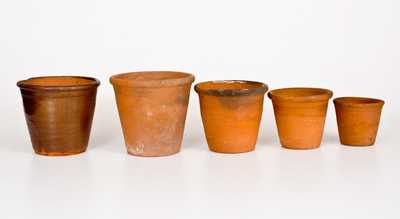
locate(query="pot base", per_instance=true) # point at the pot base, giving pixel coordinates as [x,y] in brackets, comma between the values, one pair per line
[152,155]
[58,154]
[357,145]
[300,148]
[232,152]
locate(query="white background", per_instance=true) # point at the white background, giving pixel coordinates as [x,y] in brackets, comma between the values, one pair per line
[349,46]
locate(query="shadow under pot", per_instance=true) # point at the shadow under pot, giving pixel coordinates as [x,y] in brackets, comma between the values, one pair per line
[300,115]
[358,119]
[231,113]
[59,112]
[152,108]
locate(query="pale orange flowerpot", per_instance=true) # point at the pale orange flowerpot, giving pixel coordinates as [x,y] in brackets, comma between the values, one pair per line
[152,108]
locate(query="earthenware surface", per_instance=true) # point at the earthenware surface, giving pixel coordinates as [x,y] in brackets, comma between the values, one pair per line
[231,111]
[358,119]
[59,112]
[152,107]
[349,46]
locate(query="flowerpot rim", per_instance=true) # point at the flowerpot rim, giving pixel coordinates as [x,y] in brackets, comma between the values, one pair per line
[300,94]
[152,79]
[216,88]
[58,83]
[358,101]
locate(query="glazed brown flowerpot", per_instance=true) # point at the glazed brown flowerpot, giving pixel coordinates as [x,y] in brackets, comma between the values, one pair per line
[59,112]
[152,108]
[231,113]
[358,119]
[300,115]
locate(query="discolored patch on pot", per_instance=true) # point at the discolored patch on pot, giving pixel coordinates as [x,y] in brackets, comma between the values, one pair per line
[183,98]
[139,148]
[237,102]
[231,88]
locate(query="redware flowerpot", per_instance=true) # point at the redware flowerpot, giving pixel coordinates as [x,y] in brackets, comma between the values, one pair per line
[231,113]
[300,115]
[59,112]
[358,119]
[152,108]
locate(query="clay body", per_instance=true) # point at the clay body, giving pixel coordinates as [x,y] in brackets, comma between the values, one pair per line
[152,108]
[59,112]
[231,112]
[300,115]
[358,119]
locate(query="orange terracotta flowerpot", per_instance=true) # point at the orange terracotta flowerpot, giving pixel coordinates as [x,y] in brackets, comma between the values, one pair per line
[358,119]
[59,112]
[231,113]
[152,108]
[300,115]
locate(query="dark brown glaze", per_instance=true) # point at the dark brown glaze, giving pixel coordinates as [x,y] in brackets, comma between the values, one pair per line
[300,115]
[231,88]
[231,112]
[358,119]
[152,108]
[59,112]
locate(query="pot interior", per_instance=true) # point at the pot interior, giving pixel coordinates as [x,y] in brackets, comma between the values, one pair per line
[232,87]
[301,93]
[58,81]
[358,101]
[151,76]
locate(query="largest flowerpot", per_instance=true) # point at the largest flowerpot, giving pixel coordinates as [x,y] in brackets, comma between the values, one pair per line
[152,108]
[59,112]
[300,115]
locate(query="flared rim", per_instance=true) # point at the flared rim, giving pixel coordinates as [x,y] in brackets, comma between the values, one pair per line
[300,94]
[58,83]
[230,87]
[152,79]
[358,101]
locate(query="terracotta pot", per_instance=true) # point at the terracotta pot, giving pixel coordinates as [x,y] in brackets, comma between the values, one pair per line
[231,113]
[358,119]
[300,115]
[152,108]
[59,112]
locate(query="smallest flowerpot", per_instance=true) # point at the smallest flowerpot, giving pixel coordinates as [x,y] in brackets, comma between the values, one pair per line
[358,119]
[231,113]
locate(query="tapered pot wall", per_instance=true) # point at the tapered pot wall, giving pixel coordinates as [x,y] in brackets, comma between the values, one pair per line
[59,112]
[358,120]
[231,113]
[300,116]
[152,108]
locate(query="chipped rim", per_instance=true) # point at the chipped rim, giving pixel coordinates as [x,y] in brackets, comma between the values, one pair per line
[260,89]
